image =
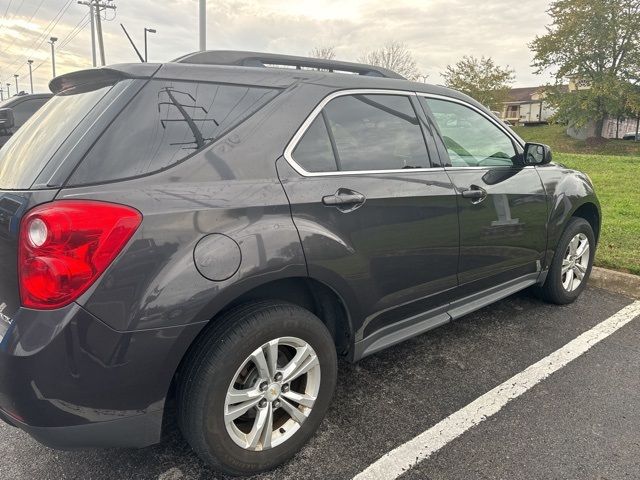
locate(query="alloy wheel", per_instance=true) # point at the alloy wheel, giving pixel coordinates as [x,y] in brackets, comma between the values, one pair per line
[272,394]
[576,262]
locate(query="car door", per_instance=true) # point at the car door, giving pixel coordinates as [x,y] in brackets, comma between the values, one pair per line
[378,222]
[502,205]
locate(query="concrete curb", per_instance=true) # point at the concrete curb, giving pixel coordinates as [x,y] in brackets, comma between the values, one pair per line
[617,282]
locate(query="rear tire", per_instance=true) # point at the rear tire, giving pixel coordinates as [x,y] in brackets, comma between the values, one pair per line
[571,265]
[249,348]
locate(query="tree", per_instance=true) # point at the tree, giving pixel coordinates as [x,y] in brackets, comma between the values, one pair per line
[326,53]
[597,41]
[481,79]
[394,56]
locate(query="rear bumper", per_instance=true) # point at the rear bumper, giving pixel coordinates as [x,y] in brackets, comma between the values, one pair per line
[70,381]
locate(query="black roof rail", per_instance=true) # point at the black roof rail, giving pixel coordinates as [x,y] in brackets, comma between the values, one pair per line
[257,59]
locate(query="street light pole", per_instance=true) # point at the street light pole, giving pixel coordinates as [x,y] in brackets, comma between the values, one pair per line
[8,90]
[149,30]
[15,75]
[52,41]
[30,62]
[203,25]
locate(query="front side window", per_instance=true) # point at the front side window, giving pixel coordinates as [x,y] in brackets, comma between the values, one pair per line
[364,132]
[166,123]
[471,139]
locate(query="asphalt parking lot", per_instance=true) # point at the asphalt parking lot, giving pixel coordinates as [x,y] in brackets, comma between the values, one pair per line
[580,423]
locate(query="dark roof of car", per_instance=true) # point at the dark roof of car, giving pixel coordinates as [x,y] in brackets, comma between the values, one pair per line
[18,98]
[278,71]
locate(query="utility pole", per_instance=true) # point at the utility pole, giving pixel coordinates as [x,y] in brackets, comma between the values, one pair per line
[203,25]
[52,41]
[150,30]
[30,62]
[95,8]
[15,75]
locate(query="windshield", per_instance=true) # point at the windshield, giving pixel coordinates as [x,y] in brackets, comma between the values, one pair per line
[32,146]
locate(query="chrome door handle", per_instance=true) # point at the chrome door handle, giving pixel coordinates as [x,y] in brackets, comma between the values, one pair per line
[475,193]
[345,200]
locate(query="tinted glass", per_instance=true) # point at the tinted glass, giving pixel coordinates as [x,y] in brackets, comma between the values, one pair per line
[166,123]
[32,146]
[471,139]
[376,132]
[25,109]
[314,152]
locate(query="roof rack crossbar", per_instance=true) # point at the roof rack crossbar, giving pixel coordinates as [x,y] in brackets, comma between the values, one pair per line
[263,60]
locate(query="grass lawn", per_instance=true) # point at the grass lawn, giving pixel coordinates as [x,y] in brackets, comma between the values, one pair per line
[555,136]
[615,171]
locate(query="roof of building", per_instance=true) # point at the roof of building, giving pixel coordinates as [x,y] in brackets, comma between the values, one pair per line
[524,94]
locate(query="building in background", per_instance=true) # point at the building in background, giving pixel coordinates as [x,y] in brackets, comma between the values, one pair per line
[526,106]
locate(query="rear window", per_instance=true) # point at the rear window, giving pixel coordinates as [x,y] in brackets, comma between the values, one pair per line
[32,146]
[166,123]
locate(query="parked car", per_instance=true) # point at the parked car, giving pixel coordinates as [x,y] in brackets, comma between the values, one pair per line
[631,136]
[203,238]
[22,107]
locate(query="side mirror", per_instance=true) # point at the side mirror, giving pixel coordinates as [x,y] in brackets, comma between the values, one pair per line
[7,121]
[537,154]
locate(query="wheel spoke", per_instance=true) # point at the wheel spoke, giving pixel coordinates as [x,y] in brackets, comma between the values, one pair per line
[240,409]
[271,350]
[237,396]
[568,279]
[295,414]
[583,250]
[301,399]
[304,360]
[573,245]
[566,265]
[262,429]
[258,358]
[571,278]
[578,273]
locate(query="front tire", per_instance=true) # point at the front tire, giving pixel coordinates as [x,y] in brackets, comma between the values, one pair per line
[572,263]
[256,386]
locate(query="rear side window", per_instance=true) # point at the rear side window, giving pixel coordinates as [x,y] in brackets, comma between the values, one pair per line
[369,132]
[166,123]
[314,152]
[32,146]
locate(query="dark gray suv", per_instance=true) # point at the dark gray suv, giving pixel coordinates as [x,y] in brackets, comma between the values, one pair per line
[204,238]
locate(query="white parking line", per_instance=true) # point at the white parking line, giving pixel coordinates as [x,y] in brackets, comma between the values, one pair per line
[399,460]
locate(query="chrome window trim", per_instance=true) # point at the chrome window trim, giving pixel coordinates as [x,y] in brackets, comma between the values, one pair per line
[288,152]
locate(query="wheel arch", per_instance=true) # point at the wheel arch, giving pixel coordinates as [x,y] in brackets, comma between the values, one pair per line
[313,295]
[591,213]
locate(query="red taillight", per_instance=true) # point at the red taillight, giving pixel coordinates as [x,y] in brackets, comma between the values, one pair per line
[66,245]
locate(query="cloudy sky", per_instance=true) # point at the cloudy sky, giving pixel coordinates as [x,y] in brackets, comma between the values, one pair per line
[438,32]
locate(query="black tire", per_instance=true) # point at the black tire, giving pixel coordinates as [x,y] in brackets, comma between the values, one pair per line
[212,364]
[552,290]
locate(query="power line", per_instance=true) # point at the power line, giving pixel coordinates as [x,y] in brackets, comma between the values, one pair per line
[28,21]
[61,47]
[41,39]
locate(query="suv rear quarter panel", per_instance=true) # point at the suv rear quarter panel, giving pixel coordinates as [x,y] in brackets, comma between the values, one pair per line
[230,188]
